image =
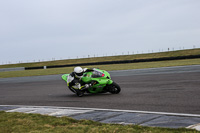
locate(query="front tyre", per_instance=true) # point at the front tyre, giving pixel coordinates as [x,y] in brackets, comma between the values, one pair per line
[114,88]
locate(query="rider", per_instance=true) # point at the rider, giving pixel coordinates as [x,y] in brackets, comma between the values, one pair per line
[74,79]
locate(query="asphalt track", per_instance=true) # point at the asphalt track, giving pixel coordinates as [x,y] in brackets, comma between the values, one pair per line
[170,89]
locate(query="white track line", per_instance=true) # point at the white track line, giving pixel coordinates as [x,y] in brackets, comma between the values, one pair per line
[113,110]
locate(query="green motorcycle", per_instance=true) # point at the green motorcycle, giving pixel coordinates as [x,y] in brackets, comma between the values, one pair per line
[100,80]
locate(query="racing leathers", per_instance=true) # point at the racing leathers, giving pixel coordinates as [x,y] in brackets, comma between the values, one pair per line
[74,83]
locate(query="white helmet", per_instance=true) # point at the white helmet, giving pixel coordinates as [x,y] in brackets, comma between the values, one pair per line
[78,72]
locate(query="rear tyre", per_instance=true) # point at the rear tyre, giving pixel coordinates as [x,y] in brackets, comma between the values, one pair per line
[72,90]
[114,88]
[79,93]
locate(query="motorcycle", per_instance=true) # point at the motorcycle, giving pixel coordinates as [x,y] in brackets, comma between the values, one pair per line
[99,79]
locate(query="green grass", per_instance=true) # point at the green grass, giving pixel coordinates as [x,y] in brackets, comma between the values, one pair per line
[36,123]
[109,58]
[141,65]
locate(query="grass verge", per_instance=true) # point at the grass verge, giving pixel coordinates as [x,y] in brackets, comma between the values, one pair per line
[36,123]
[108,58]
[141,65]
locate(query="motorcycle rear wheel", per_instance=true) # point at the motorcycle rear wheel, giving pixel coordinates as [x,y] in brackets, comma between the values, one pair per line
[80,93]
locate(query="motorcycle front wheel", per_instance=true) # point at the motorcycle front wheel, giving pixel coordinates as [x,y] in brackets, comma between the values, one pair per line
[114,88]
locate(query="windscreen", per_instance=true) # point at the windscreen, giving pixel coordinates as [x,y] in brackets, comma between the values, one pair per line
[96,74]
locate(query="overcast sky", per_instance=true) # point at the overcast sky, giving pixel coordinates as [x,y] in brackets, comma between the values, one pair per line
[45,29]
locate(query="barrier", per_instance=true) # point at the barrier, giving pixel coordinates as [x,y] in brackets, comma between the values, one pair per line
[118,62]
